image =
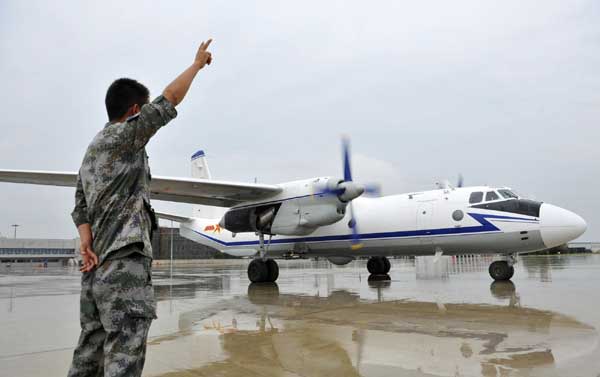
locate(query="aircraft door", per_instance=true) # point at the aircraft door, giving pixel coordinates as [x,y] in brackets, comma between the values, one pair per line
[425,223]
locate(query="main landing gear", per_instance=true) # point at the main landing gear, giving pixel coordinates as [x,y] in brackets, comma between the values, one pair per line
[378,265]
[261,269]
[502,270]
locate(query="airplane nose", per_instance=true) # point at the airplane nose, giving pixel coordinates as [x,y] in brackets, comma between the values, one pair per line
[559,226]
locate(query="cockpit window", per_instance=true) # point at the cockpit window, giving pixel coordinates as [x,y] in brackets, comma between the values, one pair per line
[476,197]
[519,206]
[491,195]
[508,194]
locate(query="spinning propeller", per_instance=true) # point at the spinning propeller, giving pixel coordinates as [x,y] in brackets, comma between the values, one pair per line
[356,244]
[347,190]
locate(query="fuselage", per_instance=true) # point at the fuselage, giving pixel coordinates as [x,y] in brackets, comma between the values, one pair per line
[452,221]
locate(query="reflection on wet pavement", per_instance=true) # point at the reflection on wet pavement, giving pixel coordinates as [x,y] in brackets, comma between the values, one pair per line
[446,319]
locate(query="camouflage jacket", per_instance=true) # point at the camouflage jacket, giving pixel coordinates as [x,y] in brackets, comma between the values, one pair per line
[113,186]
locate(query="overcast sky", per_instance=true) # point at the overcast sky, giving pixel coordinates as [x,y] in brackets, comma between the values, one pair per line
[506,93]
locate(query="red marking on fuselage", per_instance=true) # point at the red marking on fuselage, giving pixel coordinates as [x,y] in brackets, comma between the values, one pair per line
[213,228]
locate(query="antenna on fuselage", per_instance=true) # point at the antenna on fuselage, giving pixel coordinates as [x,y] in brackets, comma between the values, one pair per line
[446,185]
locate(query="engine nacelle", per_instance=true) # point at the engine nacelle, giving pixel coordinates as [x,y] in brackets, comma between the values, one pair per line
[303,216]
[250,219]
[299,215]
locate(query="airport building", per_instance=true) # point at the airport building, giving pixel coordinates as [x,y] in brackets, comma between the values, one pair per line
[183,248]
[37,251]
[61,251]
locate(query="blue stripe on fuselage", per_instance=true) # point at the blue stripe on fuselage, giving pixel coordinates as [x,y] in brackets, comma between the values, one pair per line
[484,227]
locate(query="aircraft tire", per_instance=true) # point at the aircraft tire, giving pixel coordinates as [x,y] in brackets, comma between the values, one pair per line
[376,265]
[501,271]
[387,264]
[258,271]
[273,268]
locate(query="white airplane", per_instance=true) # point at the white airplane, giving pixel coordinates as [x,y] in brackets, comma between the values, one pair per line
[328,217]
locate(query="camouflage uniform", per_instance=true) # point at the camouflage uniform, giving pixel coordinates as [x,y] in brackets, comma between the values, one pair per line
[117,307]
[117,298]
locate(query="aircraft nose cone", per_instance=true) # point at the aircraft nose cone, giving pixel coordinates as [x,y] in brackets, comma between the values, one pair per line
[559,226]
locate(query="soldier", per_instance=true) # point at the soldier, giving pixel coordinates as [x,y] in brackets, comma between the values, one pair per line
[115,222]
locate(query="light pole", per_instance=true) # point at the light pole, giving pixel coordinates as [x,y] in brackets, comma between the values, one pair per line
[171,267]
[171,250]
[15,226]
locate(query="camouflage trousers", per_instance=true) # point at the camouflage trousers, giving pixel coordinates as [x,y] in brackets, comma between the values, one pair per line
[116,309]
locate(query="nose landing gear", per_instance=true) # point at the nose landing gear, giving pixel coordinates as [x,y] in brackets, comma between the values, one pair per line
[501,270]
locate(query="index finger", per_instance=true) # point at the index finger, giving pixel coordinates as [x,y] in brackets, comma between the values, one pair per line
[205,45]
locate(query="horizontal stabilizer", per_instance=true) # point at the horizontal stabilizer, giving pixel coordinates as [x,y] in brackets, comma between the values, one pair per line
[167,216]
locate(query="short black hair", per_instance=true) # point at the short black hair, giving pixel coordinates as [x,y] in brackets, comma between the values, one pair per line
[122,94]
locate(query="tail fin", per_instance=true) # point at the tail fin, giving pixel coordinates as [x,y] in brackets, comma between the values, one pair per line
[200,166]
[200,170]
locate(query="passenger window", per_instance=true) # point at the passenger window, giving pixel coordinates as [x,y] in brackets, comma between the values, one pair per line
[476,197]
[491,195]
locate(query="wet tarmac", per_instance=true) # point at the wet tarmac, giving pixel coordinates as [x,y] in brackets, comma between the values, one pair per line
[431,318]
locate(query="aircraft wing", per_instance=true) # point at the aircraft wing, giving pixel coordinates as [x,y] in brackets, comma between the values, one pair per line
[182,190]
[208,191]
[51,178]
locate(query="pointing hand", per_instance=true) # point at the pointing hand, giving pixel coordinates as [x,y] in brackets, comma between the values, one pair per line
[203,56]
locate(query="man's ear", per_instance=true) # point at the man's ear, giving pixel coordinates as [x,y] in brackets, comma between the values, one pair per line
[134,109]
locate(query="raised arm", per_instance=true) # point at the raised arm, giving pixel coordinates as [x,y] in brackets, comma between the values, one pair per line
[154,115]
[176,91]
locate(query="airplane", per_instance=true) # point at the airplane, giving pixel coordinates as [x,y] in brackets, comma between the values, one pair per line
[330,217]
